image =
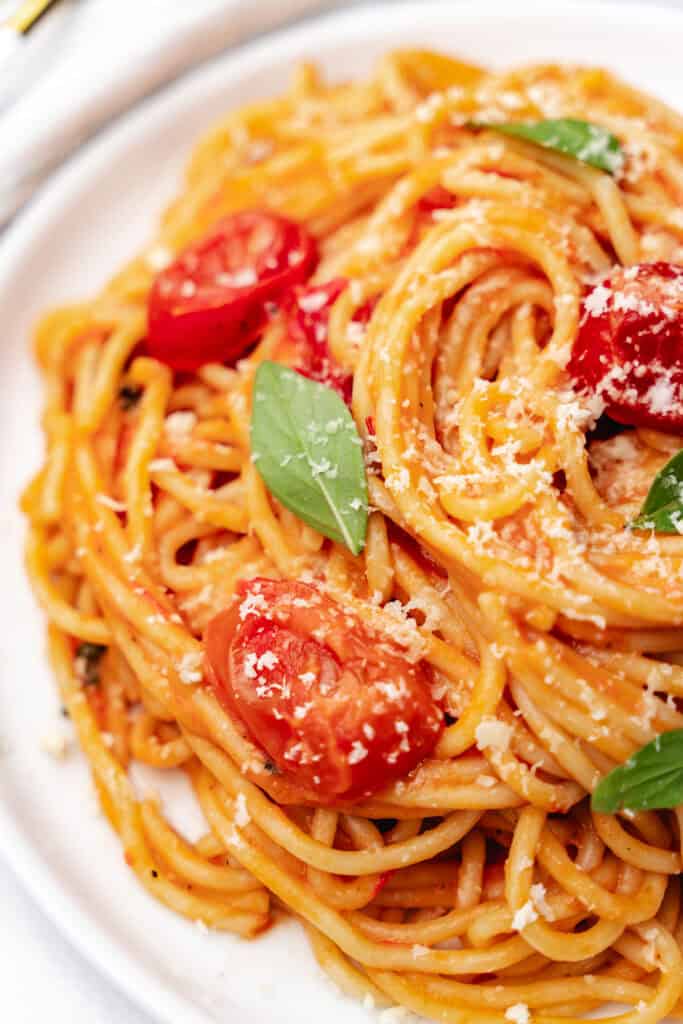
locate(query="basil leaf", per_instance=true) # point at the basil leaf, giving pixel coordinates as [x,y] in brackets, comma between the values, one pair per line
[583,140]
[663,508]
[307,450]
[650,780]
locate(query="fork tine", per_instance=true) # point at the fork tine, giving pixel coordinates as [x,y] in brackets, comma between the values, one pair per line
[27,14]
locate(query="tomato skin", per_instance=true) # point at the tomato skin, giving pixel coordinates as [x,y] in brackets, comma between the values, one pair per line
[212,301]
[336,707]
[629,349]
[307,323]
[309,314]
[437,198]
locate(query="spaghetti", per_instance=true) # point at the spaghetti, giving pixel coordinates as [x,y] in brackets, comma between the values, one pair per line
[444,299]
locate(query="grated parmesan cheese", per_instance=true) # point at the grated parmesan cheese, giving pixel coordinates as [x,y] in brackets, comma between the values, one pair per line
[134,554]
[538,894]
[398,481]
[252,605]
[492,733]
[518,1013]
[268,660]
[358,752]
[241,816]
[404,631]
[313,302]
[526,915]
[189,668]
[161,465]
[178,425]
[243,278]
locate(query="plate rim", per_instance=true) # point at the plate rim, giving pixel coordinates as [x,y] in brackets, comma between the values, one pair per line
[41,881]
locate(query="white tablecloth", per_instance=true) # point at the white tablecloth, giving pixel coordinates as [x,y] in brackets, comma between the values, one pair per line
[41,976]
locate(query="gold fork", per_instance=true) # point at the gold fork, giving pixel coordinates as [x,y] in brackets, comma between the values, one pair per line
[27,14]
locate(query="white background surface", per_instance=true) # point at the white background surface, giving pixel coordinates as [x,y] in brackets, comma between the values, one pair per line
[41,976]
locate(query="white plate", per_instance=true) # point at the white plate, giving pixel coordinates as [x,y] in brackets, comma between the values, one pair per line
[93,215]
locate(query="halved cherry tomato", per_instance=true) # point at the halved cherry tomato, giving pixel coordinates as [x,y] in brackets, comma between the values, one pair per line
[212,301]
[336,706]
[629,350]
[307,324]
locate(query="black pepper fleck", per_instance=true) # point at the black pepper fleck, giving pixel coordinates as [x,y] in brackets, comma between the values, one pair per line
[129,396]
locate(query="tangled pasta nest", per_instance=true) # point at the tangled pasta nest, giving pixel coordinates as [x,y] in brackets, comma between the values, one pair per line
[481,886]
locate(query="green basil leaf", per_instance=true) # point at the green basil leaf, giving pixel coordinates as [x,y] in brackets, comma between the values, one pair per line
[663,508]
[650,780]
[583,140]
[306,448]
